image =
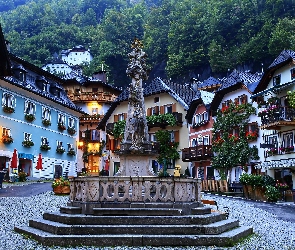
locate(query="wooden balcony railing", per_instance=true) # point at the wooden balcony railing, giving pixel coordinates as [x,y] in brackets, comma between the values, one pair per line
[197,153]
[276,118]
[92,96]
[90,118]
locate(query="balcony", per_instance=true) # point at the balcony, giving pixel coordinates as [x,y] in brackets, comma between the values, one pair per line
[92,96]
[197,153]
[178,118]
[90,119]
[163,120]
[277,118]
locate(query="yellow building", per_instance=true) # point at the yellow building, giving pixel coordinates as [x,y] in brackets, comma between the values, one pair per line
[160,97]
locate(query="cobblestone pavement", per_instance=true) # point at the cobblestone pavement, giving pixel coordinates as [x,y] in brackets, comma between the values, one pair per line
[25,189]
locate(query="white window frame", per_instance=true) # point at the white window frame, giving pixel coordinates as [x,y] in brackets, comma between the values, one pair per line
[71,122]
[61,118]
[46,113]
[30,107]
[6,131]
[8,100]
[27,136]
[44,141]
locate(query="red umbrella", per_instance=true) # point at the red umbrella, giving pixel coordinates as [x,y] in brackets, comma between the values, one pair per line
[13,163]
[39,163]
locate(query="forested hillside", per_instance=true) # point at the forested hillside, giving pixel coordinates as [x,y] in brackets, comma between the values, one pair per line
[185,36]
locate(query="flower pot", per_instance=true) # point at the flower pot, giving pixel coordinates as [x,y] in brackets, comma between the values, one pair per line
[245,190]
[62,190]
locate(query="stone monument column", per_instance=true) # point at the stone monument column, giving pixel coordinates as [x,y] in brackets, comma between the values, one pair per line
[136,149]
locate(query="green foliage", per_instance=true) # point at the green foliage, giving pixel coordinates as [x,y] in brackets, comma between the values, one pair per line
[167,119]
[186,34]
[167,149]
[291,98]
[232,150]
[272,193]
[119,129]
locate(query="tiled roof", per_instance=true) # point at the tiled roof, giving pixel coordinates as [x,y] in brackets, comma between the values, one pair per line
[31,86]
[284,56]
[183,94]
[246,77]
[211,81]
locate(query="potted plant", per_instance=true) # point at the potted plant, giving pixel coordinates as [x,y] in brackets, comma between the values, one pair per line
[61,186]
[22,176]
[30,117]
[45,147]
[71,131]
[7,139]
[46,122]
[272,194]
[60,150]
[289,149]
[27,143]
[244,180]
[8,109]
[61,126]
[71,152]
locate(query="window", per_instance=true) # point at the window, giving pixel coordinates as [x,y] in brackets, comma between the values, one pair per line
[70,147]
[77,91]
[168,109]
[95,135]
[276,80]
[293,74]
[6,131]
[288,140]
[8,100]
[94,111]
[194,143]
[155,110]
[153,137]
[94,89]
[71,122]
[46,113]
[121,117]
[61,119]
[27,136]
[206,140]
[59,144]
[156,99]
[273,139]
[30,108]
[44,141]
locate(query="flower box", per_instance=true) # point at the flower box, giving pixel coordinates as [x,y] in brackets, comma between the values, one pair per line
[28,144]
[61,126]
[61,186]
[46,122]
[45,147]
[7,109]
[7,139]
[71,131]
[30,117]
[71,152]
[60,150]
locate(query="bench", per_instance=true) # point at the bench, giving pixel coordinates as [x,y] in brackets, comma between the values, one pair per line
[235,186]
[214,203]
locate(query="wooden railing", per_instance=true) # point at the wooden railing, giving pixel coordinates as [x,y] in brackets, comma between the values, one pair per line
[278,114]
[214,186]
[197,152]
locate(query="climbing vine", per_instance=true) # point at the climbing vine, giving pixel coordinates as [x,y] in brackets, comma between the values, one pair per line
[167,149]
[232,150]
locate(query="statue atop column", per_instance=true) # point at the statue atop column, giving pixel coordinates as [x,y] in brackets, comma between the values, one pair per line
[136,138]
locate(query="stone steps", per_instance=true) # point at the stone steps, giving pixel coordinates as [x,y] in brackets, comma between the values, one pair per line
[63,229]
[130,226]
[48,239]
[81,219]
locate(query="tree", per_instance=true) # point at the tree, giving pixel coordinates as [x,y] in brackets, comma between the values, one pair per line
[232,150]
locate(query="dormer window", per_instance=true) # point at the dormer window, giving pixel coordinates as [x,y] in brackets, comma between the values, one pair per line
[156,99]
[19,72]
[41,83]
[277,80]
